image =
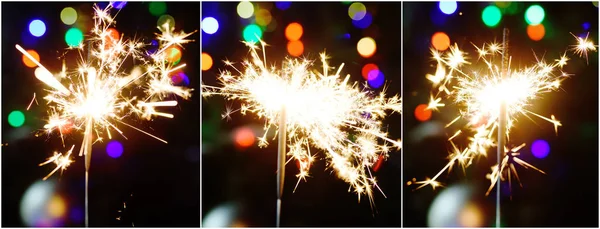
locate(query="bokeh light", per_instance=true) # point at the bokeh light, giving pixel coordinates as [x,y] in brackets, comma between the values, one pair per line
[357,11]
[448,7]
[534,15]
[536,32]
[112,37]
[207,61]
[73,37]
[114,149]
[157,8]
[440,41]
[366,47]
[245,9]
[595,3]
[491,16]
[37,28]
[244,137]
[283,5]
[56,207]
[252,33]
[422,113]
[540,148]
[263,17]
[28,62]
[16,118]
[367,69]
[35,204]
[363,23]
[471,216]
[586,25]
[210,25]
[375,78]
[118,4]
[173,54]
[294,31]
[180,78]
[295,48]
[68,15]
[166,19]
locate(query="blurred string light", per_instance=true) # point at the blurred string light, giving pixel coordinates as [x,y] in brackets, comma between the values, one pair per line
[357,11]
[252,33]
[73,37]
[118,4]
[363,23]
[536,32]
[440,41]
[68,15]
[29,63]
[37,28]
[540,148]
[210,25]
[534,15]
[366,47]
[263,17]
[207,61]
[114,149]
[157,8]
[422,113]
[167,20]
[375,78]
[16,118]
[283,5]
[245,9]
[491,16]
[367,69]
[294,31]
[243,137]
[295,48]
[448,7]
[180,78]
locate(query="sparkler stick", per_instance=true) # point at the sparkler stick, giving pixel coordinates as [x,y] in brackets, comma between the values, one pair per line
[502,121]
[281,155]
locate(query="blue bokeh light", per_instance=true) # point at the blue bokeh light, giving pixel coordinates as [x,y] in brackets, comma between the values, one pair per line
[37,28]
[448,7]
[283,5]
[210,25]
[540,148]
[118,4]
[586,25]
[375,78]
[363,23]
[114,149]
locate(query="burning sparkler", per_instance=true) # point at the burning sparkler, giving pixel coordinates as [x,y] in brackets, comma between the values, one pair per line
[313,109]
[100,94]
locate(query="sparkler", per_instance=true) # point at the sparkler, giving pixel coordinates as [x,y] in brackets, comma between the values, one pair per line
[488,96]
[313,109]
[100,94]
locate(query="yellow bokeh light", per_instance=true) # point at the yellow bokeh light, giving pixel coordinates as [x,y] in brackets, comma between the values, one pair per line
[245,9]
[207,61]
[68,15]
[263,17]
[366,47]
[56,207]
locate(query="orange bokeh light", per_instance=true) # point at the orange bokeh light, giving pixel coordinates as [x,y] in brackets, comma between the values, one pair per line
[440,41]
[294,31]
[244,137]
[536,32]
[422,113]
[173,54]
[207,61]
[28,62]
[368,68]
[295,48]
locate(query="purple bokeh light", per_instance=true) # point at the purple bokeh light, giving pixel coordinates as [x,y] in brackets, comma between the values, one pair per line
[114,149]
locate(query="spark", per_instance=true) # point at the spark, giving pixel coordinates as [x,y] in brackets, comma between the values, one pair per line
[98,94]
[323,110]
[62,162]
[479,95]
[583,46]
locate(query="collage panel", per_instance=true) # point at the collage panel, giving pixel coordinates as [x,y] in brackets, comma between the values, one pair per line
[100,114]
[516,76]
[269,102]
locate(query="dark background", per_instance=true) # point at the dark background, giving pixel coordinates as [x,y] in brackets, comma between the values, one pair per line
[245,178]
[159,182]
[568,194]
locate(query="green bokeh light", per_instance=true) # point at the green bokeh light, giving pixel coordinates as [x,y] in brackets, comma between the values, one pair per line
[491,16]
[157,8]
[16,118]
[252,33]
[74,37]
[534,15]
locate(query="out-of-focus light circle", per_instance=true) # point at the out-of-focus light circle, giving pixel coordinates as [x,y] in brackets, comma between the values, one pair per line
[180,78]
[224,215]
[210,25]
[28,62]
[470,216]
[157,8]
[16,118]
[118,4]
[114,149]
[283,5]
[367,69]
[111,38]
[448,7]
[295,48]
[245,9]
[534,15]
[34,204]
[586,25]
[366,47]
[263,17]
[252,33]
[536,32]
[503,5]
[173,54]
[73,37]
[540,148]
[491,16]
[37,28]
[363,23]
[207,61]
[244,137]
[375,78]
[68,15]
[357,11]
[166,22]
[57,207]
[440,41]
[294,31]
[422,113]
[455,206]
[272,26]
[595,3]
